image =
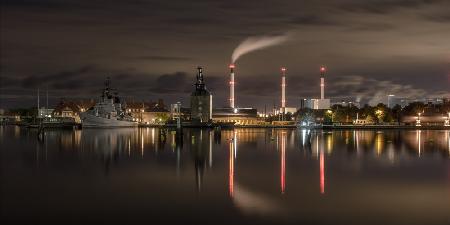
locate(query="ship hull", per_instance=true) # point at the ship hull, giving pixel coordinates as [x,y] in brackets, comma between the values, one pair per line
[88,120]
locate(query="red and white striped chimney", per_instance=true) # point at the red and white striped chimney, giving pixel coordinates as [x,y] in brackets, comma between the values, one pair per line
[231,85]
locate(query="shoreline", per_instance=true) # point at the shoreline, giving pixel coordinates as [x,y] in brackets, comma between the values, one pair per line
[319,127]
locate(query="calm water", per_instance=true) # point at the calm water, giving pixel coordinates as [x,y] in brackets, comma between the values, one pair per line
[251,176]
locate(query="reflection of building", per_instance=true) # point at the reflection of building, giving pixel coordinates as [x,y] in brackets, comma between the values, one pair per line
[201,152]
[201,100]
[240,116]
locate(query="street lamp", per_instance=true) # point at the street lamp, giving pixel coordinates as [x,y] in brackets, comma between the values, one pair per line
[331,114]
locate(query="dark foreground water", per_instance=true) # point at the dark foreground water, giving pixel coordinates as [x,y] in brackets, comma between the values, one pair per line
[241,176]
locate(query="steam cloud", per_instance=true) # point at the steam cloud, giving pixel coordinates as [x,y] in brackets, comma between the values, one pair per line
[256,43]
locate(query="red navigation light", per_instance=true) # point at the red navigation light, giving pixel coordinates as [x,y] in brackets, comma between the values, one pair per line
[231,66]
[322,69]
[283,69]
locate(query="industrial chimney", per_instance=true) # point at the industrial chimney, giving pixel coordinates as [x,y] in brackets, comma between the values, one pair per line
[322,82]
[283,90]
[231,85]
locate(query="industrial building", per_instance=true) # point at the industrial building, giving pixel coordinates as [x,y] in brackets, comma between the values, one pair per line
[201,100]
[233,114]
[238,116]
[322,102]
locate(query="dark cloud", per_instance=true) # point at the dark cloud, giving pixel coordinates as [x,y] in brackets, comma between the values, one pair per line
[53,43]
[386,6]
[172,83]
[162,58]
[373,27]
[57,80]
[314,20]
[440,18]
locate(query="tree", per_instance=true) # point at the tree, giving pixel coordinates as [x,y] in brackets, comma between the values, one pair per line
[306,115]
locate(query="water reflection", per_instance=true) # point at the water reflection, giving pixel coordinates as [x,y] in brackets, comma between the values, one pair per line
[256,170]
[126,143]
[231,168]
[283,161]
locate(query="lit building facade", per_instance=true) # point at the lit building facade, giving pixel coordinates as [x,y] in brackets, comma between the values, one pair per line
[238,116]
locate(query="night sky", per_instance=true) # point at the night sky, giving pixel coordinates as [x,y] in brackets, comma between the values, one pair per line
[151,49]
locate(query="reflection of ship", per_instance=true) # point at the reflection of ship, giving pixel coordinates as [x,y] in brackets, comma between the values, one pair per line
[107,112]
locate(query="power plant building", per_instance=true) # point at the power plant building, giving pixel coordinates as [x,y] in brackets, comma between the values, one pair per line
[238,116]
[201,100]
[322,102]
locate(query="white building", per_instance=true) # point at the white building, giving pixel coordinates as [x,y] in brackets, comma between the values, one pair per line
[322,103]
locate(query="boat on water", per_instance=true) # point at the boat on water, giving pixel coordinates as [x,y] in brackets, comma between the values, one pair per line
[107,112]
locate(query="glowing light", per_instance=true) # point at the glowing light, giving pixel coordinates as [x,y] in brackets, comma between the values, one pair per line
[142,145]
[231,66]
[322,69]
[283,69]
[283,162]
[419,134]
[322,173]
[235,143]
[231,171]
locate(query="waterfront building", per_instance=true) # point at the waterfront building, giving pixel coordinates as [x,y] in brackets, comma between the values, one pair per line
[313,103]
[238,116]
[201,100]
[155,116]
[286,110]
[72,108]
[147,112]
[45,112]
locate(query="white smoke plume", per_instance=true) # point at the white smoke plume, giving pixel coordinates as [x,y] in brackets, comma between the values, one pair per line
[256,43]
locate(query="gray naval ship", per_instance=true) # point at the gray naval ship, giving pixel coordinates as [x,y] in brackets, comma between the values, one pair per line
[107,112]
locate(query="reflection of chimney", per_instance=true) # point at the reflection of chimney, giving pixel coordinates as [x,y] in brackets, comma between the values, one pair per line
[322,82]
[283,162]
[231,85]
[322,173]
[283,89]
[231,170]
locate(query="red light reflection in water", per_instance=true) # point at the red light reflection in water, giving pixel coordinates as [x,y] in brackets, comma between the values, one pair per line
[231,170]
[283,161]
[322,173]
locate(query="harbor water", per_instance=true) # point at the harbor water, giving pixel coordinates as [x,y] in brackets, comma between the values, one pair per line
[236,176]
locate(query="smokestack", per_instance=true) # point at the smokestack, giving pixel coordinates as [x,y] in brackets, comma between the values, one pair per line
[283,89]
[231,85]
[322,82]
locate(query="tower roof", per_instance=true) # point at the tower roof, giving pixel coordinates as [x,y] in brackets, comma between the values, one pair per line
[200,88]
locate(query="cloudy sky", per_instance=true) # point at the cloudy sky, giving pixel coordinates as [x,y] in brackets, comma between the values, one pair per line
[151,49]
